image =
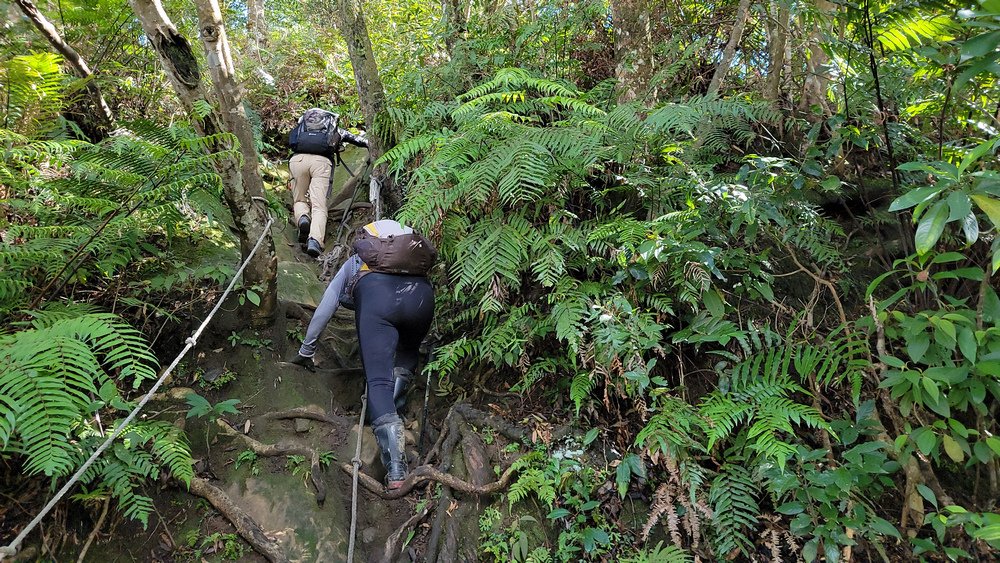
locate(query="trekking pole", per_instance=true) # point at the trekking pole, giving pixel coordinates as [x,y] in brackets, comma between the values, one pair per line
[427,397]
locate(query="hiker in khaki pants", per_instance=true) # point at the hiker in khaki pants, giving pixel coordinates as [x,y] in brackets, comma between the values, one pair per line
[310,181]
[315,142]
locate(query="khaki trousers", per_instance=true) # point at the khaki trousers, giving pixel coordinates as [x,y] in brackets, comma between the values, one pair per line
[310,181]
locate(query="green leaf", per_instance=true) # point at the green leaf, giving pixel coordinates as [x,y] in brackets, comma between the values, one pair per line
[994,443]
[931,226]
[970,226]
[967,343]
[713,302]
[558,513]
[980,44]
[623,475]
[987,533]
[952,448]
[791,508]
[926,442]
[591,436]
[959,205]
[930,387]
[884,527]
[917,346]
[253,297]
[810,550]
[990,207]
[976,153]
[914,197]
[928,494]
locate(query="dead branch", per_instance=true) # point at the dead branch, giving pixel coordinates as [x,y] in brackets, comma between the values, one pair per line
[95,531]
[822,281]
[392,543]
[245,526]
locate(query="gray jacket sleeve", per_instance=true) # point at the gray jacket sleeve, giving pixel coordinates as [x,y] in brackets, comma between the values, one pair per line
[356,140]
[328,305]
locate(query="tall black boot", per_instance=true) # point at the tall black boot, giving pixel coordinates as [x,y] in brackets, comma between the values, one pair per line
[402,377]
[388,430]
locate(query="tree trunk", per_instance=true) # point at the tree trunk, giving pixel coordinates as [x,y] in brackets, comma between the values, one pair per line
[634,66]
[453,14]
[256,27]
[76,62]
[371,95]
[241,180]
[817,80]
[742,13]
[777,41]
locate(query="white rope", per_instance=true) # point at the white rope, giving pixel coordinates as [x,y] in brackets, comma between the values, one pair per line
[11,549]
[356,462]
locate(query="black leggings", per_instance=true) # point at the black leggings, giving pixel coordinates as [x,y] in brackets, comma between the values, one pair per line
[393,314]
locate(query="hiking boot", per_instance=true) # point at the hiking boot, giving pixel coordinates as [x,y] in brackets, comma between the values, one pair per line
[305,362]
[402,377]
[304,228]
[313,249]
[388,430]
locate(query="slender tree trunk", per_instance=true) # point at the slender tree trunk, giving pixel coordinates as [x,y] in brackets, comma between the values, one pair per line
[76,62]
[453,14]
[371,94]
[634,66]
[742,13]
[817,80]
[241,181]
[776,50]
[256,27]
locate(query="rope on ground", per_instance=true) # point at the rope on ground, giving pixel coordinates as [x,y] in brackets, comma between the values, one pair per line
[356,462]
[11,548]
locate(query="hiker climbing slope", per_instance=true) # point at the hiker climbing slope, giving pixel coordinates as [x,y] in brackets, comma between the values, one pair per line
[315,141]
[385,282]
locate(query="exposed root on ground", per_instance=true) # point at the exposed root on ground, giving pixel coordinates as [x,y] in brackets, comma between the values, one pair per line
[424,474]
[301,412]
[245,526]
[280,449]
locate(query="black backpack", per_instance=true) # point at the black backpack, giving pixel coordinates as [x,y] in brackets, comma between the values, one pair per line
[316,133]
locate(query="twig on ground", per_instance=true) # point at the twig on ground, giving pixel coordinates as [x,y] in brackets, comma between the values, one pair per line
[95,531]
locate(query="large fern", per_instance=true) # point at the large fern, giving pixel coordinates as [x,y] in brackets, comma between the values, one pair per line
[50,376]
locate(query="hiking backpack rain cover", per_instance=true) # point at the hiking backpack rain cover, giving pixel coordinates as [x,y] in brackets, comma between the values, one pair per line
[316,133]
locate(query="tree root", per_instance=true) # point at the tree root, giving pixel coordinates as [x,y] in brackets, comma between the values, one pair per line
[301,412]
[245,526]
[427,473]
[280,449]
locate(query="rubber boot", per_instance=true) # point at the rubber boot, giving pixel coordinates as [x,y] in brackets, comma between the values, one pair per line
[388,430]
[402,377]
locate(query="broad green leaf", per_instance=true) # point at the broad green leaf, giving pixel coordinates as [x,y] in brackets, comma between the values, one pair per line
[959,205]
[926,441]
[623,475]
[975,154]
[930,387]
[967,343]
[931,226]
[988,533]
[990,207]
[884,527]
[994,443]
[970,226]
[914,197]
[980,45]
[952,448]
